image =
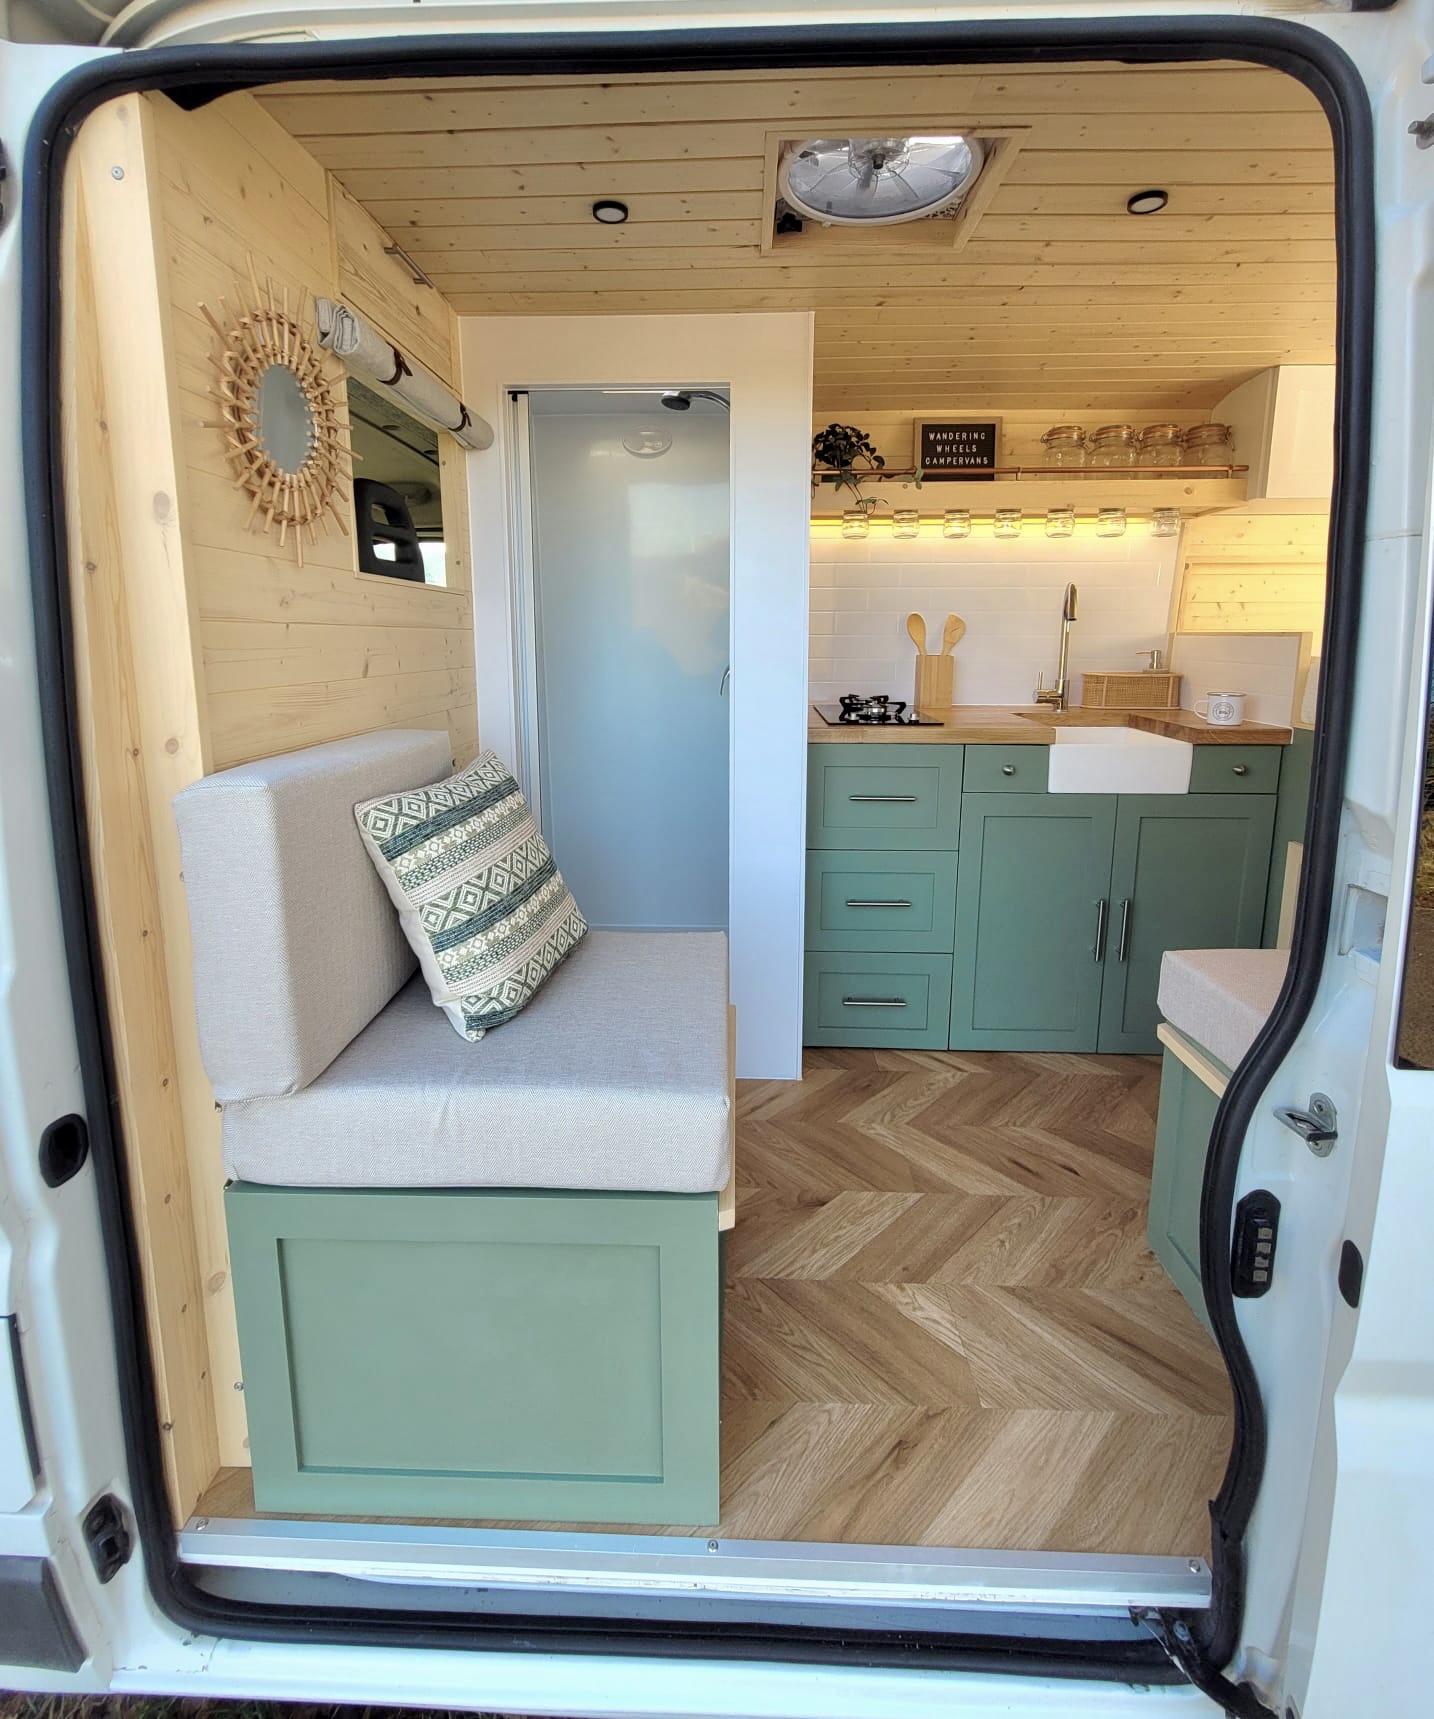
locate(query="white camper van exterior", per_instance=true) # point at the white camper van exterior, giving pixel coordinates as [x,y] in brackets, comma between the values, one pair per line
[1337,1561]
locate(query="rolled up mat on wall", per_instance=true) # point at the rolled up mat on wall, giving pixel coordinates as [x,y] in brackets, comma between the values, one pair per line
[363,349]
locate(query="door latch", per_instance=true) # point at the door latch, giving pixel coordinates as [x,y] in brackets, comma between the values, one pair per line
[1318,1126]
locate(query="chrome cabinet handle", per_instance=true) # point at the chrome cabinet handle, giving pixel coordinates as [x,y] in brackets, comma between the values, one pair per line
[882,799]
[851,903]
[1008,769]
[1241,769]
[1122,949]
[1102,914]
[873,1002]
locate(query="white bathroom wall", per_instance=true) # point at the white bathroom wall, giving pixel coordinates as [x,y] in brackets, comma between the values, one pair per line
[1009,595]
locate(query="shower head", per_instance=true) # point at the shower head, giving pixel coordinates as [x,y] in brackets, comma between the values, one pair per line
[680,399]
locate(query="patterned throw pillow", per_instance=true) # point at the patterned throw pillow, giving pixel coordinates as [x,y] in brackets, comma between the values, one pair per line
[477,893]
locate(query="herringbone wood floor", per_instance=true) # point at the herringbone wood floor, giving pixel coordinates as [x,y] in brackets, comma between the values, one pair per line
[943,1326]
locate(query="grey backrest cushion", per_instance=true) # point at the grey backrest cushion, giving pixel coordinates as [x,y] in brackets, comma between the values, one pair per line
[296,944]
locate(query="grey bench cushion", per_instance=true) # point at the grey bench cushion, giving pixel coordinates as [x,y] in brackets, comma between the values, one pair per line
[296,944]
[1221,997]
[613,1077]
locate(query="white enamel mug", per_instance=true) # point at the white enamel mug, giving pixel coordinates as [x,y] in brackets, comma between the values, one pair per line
[1222,709]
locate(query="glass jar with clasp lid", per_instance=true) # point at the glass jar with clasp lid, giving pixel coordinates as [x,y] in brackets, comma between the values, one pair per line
[1063,445]
[1209,445]
[1161,445]
[1114,445]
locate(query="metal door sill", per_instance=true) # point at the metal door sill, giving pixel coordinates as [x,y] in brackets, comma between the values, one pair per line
[650,1566]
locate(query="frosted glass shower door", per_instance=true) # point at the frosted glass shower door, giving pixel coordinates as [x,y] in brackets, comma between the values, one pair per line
[630,614]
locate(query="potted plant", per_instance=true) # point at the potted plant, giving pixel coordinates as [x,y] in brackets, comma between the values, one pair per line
[846,452]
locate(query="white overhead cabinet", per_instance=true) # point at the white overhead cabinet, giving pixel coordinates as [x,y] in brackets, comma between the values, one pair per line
[1283,421]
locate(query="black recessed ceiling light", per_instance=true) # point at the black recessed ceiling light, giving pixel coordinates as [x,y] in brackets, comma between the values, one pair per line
[1146,202]
[609,211]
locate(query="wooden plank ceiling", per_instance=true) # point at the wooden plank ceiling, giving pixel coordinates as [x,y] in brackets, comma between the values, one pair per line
[1058,296]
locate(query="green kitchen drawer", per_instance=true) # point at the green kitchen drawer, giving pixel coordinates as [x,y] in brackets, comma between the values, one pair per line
[883,796]
[902,1002]
[881,901]
[1236,769]
[1006,769]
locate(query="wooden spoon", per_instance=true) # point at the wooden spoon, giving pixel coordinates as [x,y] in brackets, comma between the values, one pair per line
[916,628]
[952,634]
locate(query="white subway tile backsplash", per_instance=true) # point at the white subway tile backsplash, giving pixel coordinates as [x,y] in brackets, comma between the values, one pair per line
[1009,595]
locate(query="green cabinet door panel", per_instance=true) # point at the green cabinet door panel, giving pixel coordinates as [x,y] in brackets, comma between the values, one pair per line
[880,796]
[1189,873]
[876,901]
[1006,769]
[479,1353]
[1235,769]
[1291,810]
[900,1001]
[1182,1143]
[1034,872]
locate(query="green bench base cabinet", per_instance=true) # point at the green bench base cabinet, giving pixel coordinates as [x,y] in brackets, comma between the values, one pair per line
[1182,1144]
[480,1353]
[1050,911]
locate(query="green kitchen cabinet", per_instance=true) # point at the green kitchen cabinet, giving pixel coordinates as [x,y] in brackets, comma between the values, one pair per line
[1189,872]
[1182,1145]
[1032,906]
[900,1001]
[880,901]
[883,796]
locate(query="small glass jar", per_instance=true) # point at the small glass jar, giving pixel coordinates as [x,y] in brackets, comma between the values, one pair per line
[1209,445]
[1161,445]
[855,522]
[956,522]
[1114,445]
[1060,522]
[1064,445]
[1165,522]
[1110,522]
[905,522]
[1007,522]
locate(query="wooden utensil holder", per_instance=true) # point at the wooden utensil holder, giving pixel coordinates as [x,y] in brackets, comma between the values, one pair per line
[935,678]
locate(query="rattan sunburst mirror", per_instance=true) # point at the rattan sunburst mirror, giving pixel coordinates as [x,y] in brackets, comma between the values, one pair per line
[280,415]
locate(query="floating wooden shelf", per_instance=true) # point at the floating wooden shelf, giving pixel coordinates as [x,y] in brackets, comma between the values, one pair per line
[1035,490]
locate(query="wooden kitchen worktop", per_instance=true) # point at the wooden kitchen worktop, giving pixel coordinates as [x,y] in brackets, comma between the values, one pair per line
[996,725]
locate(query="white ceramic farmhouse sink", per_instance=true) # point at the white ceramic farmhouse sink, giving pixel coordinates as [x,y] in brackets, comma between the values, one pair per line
[1118,761]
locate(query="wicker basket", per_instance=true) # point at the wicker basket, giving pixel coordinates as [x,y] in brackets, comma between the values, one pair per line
[1136,689]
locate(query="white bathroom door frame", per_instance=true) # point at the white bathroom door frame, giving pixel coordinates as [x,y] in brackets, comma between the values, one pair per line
[527,754]
[763,361]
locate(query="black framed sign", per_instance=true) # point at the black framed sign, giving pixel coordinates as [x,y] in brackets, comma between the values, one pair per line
[951,448]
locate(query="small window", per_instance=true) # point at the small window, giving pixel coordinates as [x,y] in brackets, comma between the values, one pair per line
[398,499]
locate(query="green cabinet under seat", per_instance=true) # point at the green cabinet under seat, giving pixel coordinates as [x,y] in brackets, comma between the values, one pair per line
[900,1001]
[480,1353]
[1182,1146]
[874,901]
[1032,905]
[883,796]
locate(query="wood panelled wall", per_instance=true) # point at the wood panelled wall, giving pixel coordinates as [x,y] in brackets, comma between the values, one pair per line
[1253,573]
[1058,296]
[201,644]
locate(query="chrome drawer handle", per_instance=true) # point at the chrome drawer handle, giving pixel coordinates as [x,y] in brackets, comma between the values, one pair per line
[882,799]
[1241,769]
[878,904]
[873,1002]
[1008,769]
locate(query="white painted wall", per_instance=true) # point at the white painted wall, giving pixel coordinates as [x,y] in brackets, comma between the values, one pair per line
[1009,595]
[765,361]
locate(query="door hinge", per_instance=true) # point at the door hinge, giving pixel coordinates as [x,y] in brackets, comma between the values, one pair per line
[108,1536]
[1318,1126]
[1252,1250]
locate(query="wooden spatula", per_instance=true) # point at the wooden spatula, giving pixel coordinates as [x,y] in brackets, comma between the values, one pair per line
[952,633]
